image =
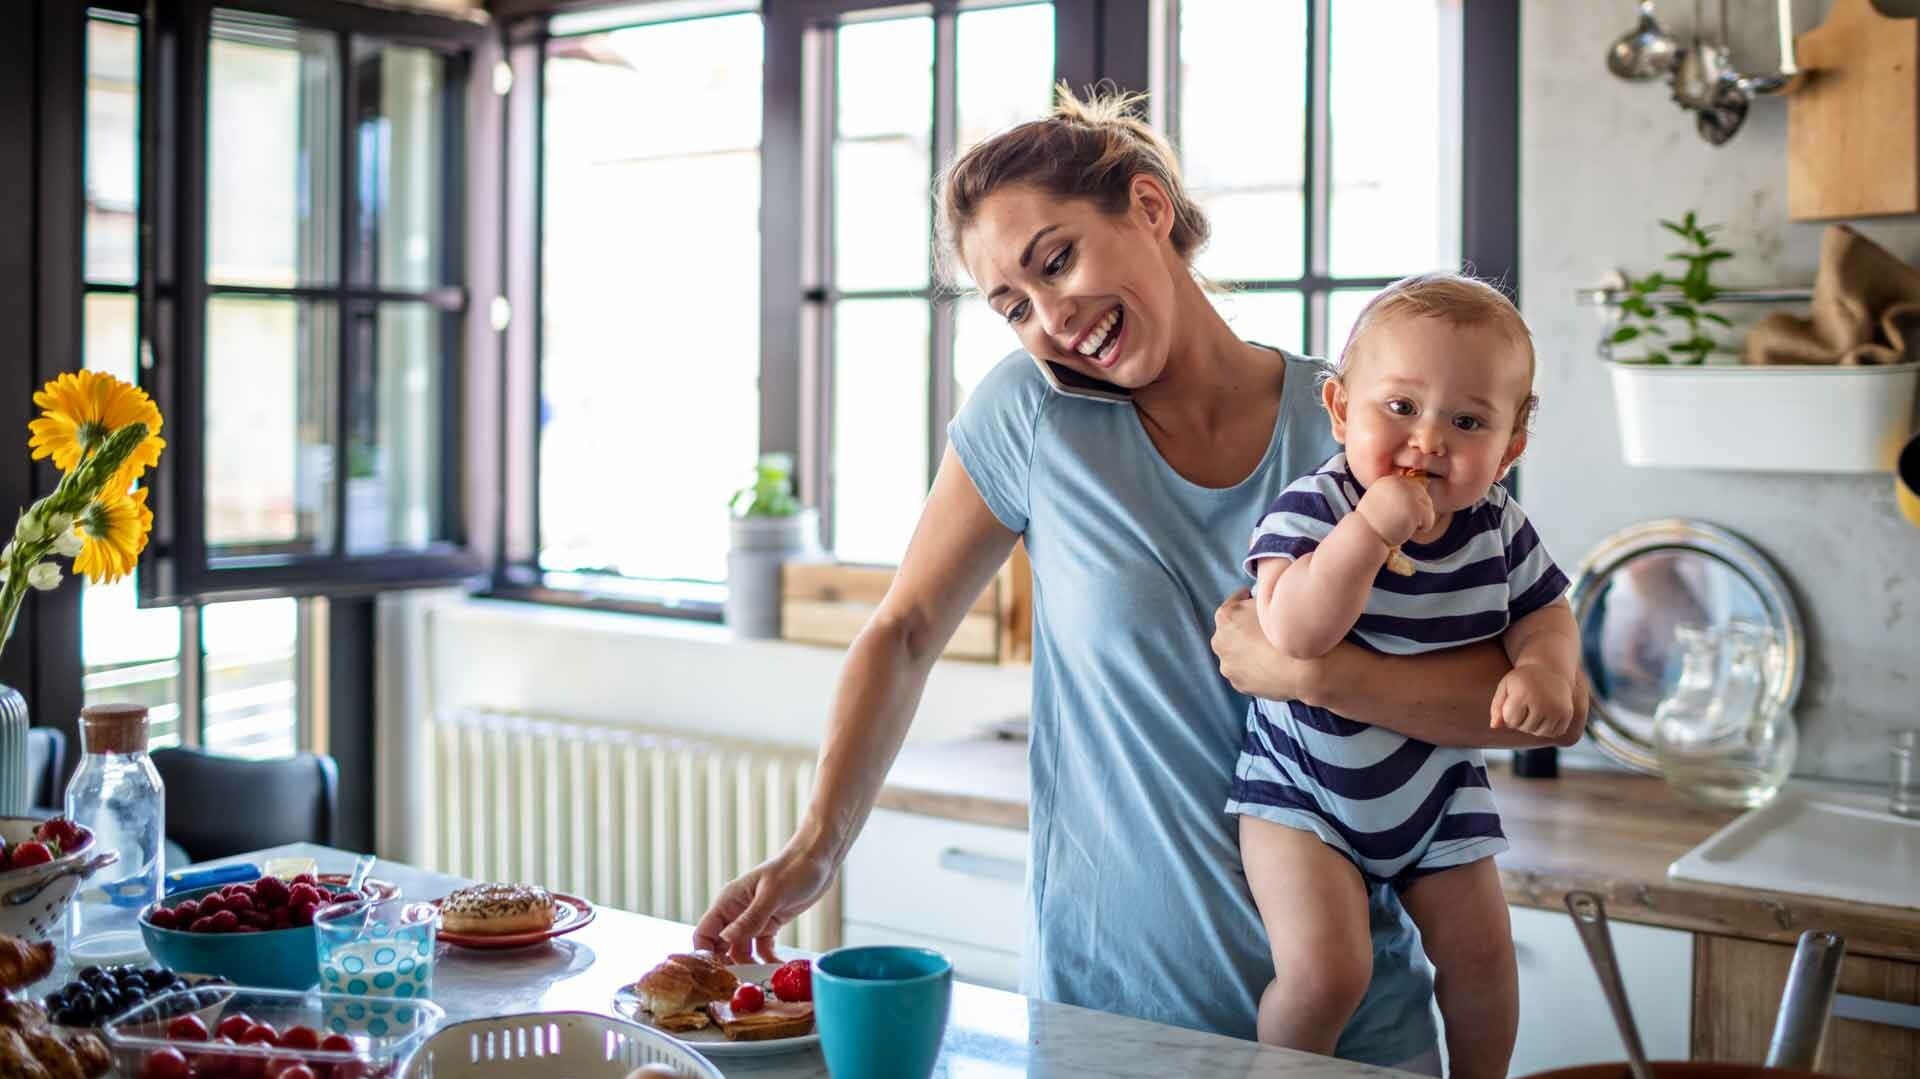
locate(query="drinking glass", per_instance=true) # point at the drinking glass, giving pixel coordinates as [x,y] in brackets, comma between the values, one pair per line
[376,947]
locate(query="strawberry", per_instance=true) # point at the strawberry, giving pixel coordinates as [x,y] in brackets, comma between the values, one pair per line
[794,981]
[62,833]
[32,852]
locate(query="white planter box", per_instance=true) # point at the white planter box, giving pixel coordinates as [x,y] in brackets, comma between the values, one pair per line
[1764,419]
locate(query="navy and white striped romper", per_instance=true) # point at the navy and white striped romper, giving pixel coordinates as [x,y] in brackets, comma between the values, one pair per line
[1398,808]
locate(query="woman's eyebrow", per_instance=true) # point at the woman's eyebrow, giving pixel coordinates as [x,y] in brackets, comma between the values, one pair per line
[1026,256]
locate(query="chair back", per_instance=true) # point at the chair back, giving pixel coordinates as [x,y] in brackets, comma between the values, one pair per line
[46,765]
[218,806]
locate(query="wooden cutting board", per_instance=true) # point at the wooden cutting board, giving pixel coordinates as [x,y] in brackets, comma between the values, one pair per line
[1853,129]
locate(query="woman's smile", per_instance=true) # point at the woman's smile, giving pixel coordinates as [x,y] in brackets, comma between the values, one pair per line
[1100,345]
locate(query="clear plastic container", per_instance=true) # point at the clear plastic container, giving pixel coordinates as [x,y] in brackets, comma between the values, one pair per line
[117,793]
[384,1032]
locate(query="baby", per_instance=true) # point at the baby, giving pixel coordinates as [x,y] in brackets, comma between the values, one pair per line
[1430,402]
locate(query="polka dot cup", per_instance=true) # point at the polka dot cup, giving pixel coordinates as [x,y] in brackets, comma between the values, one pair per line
[375,948]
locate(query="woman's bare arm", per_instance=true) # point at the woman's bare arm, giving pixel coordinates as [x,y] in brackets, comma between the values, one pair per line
[1439,697]
[956,548]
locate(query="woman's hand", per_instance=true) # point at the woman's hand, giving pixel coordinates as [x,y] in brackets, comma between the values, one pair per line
[1250,662]
[748,912]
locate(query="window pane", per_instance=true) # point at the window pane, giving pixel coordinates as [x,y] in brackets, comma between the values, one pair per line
[272,127]
[1005,69]
[1396,155]
[981,339]
[109,339]
[1242,117]
[112,149]
[394,433]
[269,427]
[879,426]
[132,654]
[402,140]
[649,367]
[1268,318]
[252,658]
[1343,308]
[883,155]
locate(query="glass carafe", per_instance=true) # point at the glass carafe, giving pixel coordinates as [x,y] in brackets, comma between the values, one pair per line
[117,793]
[1718,735]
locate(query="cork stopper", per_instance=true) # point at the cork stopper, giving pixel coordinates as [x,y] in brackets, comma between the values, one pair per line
[114,728]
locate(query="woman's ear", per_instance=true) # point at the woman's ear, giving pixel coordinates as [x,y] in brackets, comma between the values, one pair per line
[1333,396]
[1152,204]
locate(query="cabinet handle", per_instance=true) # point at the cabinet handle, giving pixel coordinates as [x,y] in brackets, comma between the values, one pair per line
[1869,1010]
[970,864]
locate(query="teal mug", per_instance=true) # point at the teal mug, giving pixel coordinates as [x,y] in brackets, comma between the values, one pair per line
[881,1010]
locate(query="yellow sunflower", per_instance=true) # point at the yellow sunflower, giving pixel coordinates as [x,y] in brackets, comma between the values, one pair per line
[81,409]
[113,530]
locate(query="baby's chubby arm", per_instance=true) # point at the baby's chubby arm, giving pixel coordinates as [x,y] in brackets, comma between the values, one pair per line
[1537,695]
[1307,605]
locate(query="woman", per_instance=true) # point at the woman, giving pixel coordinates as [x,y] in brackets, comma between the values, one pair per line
[1079,233]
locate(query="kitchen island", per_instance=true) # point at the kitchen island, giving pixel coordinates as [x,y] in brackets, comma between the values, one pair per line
[989,1033]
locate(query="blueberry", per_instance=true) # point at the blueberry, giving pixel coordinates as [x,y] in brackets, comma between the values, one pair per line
[80,1015]
[87,973]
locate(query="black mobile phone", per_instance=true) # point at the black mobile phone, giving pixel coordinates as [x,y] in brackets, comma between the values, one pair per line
[1066,380]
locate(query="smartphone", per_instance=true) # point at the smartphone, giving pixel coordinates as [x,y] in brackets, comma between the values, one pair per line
[1066,380]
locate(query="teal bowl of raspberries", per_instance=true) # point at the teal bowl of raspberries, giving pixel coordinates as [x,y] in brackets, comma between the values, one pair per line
[259,933]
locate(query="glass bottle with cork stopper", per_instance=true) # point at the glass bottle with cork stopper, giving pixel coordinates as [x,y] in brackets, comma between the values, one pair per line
[118,795]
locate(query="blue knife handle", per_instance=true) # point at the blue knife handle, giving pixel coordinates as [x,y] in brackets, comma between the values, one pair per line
[188,879]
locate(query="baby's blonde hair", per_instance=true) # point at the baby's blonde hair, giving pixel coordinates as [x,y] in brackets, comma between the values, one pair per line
[1457,299]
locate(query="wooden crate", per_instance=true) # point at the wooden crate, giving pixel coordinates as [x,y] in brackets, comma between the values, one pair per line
[831,602]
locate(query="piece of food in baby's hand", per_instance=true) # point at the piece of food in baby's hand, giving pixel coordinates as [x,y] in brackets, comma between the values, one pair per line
[1397,562]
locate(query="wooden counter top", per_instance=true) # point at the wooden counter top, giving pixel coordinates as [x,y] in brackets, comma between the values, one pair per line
[1604,832]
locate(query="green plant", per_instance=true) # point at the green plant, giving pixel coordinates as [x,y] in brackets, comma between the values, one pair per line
[1641,313]
[771,494]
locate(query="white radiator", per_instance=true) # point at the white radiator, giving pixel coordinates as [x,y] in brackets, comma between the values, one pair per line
[644,821]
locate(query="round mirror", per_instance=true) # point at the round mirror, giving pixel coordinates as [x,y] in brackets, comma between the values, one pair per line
[1638,588]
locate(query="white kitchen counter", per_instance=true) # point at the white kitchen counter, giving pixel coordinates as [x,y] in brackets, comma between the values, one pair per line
[989,1033]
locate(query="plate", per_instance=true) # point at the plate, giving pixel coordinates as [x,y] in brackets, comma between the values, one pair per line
[709,1040]
[572,913]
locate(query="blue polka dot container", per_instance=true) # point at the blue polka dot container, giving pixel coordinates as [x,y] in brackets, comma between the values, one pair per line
[375,948]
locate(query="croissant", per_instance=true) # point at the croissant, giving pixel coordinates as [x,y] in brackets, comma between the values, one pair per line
[684,982]
[16,1060]
[22,964]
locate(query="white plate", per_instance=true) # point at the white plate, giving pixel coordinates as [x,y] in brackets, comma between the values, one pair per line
[709,1040]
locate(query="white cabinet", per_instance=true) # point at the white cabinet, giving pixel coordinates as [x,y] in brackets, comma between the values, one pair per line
[955,887]
[1563,1015]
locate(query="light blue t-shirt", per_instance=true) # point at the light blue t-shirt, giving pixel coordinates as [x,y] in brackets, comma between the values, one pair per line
[1136,900]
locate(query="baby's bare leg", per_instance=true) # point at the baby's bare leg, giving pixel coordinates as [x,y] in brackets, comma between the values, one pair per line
[1462,915]
[1314,905]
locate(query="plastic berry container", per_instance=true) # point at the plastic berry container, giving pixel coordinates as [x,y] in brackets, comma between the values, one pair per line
[345,1037]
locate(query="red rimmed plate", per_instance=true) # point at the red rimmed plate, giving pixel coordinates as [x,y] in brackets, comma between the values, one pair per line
[570,913]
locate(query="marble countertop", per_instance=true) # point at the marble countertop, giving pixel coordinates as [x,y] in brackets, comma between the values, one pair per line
[990,1034]
[1603,831]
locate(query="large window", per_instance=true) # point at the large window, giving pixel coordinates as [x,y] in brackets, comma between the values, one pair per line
[1324,177]
[226,676]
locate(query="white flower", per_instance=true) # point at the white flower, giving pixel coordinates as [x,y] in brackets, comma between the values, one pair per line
[29,530]
[6,553]
[45,576]
[59,523]
[69,543]
[3,573]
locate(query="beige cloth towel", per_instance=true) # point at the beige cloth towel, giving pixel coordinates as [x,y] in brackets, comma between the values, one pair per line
[1866,304]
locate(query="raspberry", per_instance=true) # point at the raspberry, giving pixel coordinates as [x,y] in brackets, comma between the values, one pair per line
[213,904]
[202,924]
[185,912]
[793,981]
[748,998]
[306,878]
[162,918]
[303,913]
[270,892]
[258,919]
[303,893]
[224,922]
[283,918]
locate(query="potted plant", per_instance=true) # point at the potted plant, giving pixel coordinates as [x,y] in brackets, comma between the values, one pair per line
[769,528]
[1684,400]
[102,434]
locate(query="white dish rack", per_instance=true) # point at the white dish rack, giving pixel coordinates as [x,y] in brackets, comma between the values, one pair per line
[560,1045]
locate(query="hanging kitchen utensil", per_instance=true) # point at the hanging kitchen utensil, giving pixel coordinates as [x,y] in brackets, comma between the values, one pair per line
[1645,52]
[1590,918]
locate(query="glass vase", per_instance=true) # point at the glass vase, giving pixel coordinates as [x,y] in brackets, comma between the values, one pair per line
[1718,734]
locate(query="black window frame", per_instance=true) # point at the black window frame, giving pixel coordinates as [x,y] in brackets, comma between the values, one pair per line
[174,292]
